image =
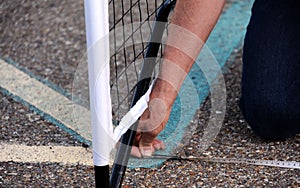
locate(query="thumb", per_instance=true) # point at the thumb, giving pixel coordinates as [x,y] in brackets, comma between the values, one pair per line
[146,146]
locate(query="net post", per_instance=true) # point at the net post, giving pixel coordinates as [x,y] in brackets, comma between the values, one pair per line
[101,176]
[97,30]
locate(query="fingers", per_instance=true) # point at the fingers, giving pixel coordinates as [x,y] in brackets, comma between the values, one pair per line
[146,144]
[140,152]
[151,123]
[135,152]
[146,151]
[158,144]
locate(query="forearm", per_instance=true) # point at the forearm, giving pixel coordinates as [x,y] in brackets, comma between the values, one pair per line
[191,25]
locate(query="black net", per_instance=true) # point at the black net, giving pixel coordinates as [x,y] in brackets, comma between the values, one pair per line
[131,23]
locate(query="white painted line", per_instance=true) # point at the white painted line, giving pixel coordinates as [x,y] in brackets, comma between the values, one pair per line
[40,154]
[45,99]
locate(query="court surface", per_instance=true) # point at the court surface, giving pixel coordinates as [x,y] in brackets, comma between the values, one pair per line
[41,45]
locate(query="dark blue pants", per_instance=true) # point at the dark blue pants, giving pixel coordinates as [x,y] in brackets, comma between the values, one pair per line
[270,98]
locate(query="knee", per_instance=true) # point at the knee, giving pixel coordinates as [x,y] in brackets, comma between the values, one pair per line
[273,131]
[269,120]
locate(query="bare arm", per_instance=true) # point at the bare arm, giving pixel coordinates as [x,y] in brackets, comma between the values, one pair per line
[191,25]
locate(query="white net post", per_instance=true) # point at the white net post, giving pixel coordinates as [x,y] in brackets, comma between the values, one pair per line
[97,29]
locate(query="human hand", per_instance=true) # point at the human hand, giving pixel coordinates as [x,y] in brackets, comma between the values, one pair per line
[153,121]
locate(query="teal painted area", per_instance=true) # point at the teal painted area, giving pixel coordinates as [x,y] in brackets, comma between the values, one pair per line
[226,36]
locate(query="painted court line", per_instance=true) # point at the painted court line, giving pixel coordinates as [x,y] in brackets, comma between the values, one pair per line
[45,99]
[39,154]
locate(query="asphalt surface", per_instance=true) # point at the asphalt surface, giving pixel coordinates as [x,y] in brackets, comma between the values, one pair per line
[48,39]
[235,140]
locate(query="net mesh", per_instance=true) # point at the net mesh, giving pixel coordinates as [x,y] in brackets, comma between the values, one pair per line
[131,25]
[130,28]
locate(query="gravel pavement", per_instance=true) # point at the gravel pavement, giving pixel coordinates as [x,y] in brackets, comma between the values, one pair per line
[235,140]
[48,39]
